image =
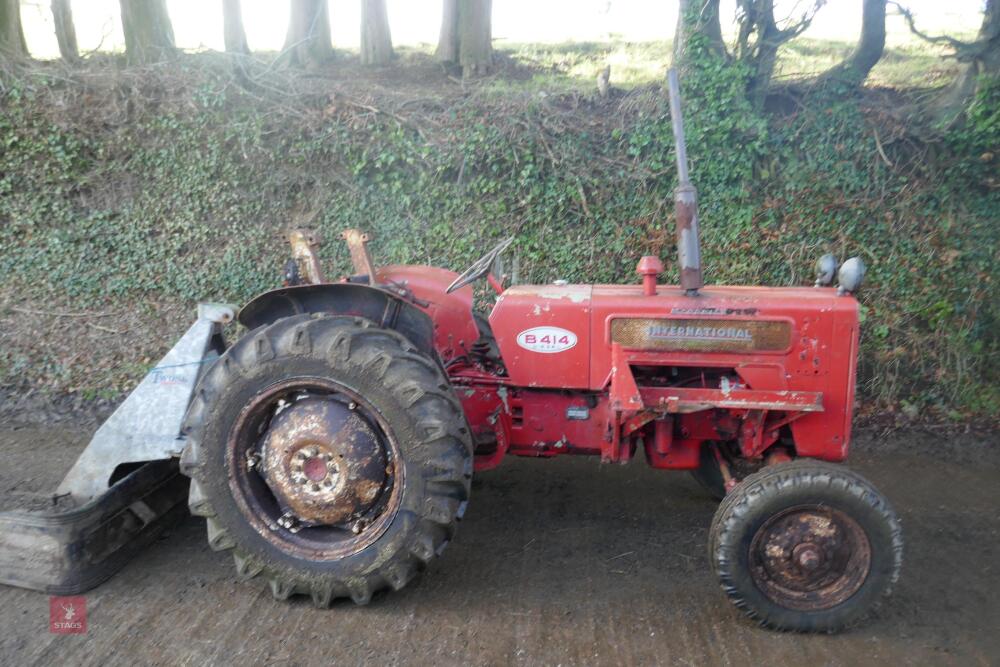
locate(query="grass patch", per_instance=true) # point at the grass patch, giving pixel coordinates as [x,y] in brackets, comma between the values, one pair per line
[574,66]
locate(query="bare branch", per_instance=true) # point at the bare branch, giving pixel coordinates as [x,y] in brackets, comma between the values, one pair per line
[757,16]
[794,30]
[939,39]
[963,51]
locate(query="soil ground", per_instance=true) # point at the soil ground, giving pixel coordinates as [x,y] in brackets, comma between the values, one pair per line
[557,562]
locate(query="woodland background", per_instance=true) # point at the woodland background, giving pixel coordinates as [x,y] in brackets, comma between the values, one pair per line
[135,183]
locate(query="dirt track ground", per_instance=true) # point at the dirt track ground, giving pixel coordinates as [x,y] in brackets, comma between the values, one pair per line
[557,562]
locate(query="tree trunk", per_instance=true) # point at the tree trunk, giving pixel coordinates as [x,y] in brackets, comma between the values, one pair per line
[767,57]
[308,40]
[987,60]
[467,35]
[698,21]
[447,49]
[376,40]
[12,42]
[232,21]
[982,61]
[990,30]
[855,68]
[62,18]
[149,37]
[760,54]
[475,37]
[765,51]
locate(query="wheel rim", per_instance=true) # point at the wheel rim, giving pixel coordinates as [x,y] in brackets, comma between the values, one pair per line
[810,558]
[314,468]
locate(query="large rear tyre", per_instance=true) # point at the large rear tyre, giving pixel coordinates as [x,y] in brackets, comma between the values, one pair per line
[806,546]
[330,455]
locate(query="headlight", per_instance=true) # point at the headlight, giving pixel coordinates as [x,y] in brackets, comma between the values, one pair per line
[852,272]
[826,268]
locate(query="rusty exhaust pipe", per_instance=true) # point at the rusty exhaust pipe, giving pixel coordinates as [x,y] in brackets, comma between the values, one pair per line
[685,199]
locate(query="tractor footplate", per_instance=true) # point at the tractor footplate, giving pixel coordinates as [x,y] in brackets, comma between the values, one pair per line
[71,551]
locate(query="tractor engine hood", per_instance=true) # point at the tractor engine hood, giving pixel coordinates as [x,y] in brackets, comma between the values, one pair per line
[561,336]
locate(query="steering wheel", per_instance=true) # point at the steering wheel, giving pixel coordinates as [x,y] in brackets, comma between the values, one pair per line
[480,268]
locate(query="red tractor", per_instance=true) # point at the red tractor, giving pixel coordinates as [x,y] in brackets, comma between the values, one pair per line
[333,445]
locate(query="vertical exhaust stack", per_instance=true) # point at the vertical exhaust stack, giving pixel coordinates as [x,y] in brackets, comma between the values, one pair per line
[685,200]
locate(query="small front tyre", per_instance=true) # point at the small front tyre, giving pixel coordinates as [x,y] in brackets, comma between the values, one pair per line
[806,546]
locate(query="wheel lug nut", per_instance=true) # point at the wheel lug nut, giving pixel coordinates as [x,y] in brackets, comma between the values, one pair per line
[289,522]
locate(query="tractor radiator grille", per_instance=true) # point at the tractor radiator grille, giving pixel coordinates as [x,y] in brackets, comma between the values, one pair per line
[701,335]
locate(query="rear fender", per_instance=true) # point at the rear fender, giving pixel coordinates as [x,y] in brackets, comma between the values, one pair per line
[455,330]
[385,309]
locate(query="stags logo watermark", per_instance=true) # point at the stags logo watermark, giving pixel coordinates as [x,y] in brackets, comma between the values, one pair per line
[68,615]
[547,340]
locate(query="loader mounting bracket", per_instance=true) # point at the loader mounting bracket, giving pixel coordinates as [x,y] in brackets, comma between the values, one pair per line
[147,425]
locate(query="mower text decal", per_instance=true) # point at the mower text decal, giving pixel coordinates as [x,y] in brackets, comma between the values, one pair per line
[546,340]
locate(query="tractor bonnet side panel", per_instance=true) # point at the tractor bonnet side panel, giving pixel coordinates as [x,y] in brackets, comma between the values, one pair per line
[543,332]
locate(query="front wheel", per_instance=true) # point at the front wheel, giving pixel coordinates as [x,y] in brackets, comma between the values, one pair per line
[806,546]
[330,455]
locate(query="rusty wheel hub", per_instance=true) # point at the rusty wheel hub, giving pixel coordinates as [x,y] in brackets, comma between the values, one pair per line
[810,558]
[323,461]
